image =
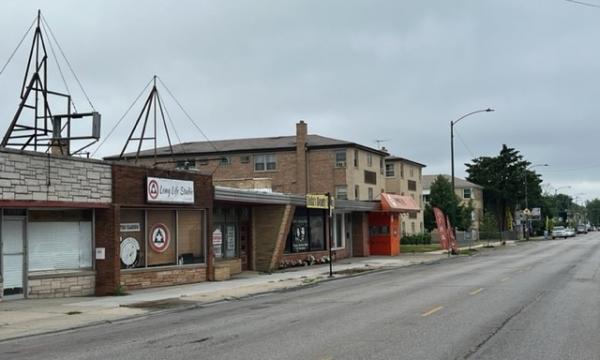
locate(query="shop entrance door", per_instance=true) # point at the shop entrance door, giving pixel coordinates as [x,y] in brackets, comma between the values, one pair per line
[245,245]
[13,235]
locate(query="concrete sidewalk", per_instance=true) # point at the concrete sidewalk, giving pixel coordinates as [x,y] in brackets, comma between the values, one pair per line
[20,318]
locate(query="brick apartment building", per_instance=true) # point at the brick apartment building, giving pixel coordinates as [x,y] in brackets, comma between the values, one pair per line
[404,177]
[297,164]
[466,191]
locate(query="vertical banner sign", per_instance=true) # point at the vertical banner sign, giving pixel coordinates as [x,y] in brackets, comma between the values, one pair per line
[440,221]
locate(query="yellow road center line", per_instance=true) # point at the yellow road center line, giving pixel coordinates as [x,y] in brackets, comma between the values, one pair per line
[475,292]
[505,279]
[432,311]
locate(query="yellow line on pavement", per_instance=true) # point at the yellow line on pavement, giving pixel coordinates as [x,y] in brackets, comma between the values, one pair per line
[505,279]
[475,292]
[432,311]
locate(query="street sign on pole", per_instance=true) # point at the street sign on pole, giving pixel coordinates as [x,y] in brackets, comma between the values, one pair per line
[326,202]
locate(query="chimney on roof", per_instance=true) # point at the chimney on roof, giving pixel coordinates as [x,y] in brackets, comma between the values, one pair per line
[384,149]
[301,135]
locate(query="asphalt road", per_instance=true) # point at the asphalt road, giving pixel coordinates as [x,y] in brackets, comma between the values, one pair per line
[539,300]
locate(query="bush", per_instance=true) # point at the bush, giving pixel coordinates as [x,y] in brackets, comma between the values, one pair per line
[416,239]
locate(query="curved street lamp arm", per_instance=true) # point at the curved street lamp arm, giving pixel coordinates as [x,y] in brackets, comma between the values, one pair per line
[471,113]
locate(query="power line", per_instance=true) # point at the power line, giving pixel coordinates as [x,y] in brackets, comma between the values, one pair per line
[187,115]
[464,144]
[59,68]
[122,117]
[18,46]
[68,63]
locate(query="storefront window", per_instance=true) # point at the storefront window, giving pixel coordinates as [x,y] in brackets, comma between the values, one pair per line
[59,240]
[227,222]
[317,229]
[161,234]
[190,249]
[307,232]
[152,238]
[133,239]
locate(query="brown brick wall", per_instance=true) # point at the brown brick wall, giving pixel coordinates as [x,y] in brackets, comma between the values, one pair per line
[323,175]
[270,227]
[129,190]
[360,234]
[148,278]
[107,236]
[129,186]
[234,265]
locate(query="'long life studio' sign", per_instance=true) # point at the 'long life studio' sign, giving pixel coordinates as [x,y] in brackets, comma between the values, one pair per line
[160,190]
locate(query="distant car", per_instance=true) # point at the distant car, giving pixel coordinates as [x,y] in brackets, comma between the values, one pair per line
[582,229]
[571,232]
[559,232]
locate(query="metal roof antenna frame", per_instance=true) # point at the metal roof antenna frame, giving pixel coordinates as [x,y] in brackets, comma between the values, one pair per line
[153,105]
[47,131]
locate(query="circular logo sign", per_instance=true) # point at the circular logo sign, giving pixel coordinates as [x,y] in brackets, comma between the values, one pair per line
[153,189]
[160,238]
[129,251]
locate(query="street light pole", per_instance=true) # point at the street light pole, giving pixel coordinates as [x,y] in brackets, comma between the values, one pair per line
[452,123]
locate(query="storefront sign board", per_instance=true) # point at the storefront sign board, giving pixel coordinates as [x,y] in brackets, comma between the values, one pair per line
[161,190]
[317,201]
[217,239]
[130,227]
[160,238]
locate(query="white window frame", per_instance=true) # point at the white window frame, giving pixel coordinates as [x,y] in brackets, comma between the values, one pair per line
[340,163]
[393,172]
[338,189]
[225,161]
[369,160]
[470,191]
[371,194]
[264,160]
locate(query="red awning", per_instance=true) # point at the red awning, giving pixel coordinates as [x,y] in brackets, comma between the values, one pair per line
[398,203]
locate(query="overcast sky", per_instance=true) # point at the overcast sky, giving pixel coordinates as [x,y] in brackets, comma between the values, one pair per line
[355,70]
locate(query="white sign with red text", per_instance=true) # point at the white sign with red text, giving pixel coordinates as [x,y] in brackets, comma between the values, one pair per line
[160,190]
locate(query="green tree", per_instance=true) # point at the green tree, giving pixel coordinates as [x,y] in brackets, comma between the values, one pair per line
[443,197]
[593,211]
[504,178]
[489,223]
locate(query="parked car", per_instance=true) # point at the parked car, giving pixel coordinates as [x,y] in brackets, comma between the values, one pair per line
[570,232]
[582,229]
[559,232]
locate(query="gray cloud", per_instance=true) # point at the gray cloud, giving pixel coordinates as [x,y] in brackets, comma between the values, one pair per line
[355,70]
